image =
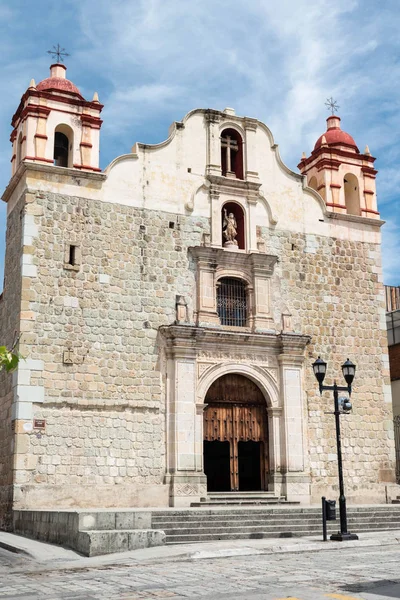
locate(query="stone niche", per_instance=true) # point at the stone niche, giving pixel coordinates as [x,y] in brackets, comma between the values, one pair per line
[254,269]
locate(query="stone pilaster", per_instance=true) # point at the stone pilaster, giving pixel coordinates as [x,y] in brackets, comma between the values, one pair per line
[187,482]
[251,166]
[296,480]
[213,166]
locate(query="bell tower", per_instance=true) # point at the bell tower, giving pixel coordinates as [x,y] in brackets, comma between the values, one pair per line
[342,175]
[55,125]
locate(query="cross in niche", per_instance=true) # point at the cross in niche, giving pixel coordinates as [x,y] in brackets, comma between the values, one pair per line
[67,357]
[332,105]
[58,53]
[230,145]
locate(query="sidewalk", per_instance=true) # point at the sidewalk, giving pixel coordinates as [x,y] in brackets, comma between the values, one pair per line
[51,556]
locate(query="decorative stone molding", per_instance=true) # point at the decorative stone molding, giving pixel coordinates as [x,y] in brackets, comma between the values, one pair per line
[254,268]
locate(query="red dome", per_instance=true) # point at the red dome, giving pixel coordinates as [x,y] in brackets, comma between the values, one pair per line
[335,136]
[57,83]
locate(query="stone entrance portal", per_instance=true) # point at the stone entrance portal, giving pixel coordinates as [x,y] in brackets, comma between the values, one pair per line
[235,436]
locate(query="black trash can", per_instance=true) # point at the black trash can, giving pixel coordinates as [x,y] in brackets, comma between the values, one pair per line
[330,510]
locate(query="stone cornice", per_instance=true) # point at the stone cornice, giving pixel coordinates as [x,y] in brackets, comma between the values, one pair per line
[356,219]
[52,171]
[261,264]
[225,184]
[329,153]
[187,340]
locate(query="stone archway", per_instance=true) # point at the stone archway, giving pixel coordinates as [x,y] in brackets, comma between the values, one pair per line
[235,435]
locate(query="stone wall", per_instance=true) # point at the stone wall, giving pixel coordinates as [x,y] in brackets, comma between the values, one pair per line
[10,306]
[333,288]
[96,369]
[94,337]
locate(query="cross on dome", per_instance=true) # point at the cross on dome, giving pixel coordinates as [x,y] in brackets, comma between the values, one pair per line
[58,53]
[332,105]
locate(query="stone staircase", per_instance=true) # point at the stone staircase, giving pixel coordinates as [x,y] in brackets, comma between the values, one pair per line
[253,522]
[241,499]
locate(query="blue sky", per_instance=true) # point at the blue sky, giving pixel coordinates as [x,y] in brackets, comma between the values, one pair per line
[152,61]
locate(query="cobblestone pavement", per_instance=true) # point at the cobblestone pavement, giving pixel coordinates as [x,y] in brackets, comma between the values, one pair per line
[345,574]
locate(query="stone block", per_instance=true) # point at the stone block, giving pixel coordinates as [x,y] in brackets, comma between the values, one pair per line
[105,520]
[22,410]
[125,520]
[30,393]
[31,364]
[29,270]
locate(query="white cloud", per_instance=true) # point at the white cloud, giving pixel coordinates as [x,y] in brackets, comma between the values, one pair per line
[277,60]
[133,104]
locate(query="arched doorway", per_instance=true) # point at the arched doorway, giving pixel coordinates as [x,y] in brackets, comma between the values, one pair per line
[235,435]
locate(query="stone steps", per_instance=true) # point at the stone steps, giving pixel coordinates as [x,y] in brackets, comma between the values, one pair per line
[95,532]
[275,528]
[199,538]
[252,502]
[240,499]
[190,525]
[228,516]
[169,525]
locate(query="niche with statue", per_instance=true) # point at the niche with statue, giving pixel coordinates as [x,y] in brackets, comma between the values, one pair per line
[233,226]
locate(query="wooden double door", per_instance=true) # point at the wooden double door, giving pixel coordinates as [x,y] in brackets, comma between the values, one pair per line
[235,436]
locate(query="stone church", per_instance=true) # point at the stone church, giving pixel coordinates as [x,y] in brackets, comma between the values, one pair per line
[170,307]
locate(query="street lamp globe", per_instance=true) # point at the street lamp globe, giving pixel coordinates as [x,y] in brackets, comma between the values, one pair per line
[348,370]
[319,368]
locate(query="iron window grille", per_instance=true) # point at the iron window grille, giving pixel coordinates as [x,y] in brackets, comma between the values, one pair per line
[232,302]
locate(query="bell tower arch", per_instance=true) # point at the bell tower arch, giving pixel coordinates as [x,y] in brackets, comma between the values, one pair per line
[343,176]
[55,125]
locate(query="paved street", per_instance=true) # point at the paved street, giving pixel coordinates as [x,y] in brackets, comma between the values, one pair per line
[347,574]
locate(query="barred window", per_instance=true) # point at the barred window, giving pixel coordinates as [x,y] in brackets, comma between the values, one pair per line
[232,302]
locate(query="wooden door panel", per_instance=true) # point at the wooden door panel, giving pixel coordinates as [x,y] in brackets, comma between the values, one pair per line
[236,412]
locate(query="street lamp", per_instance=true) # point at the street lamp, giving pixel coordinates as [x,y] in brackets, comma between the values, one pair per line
[348,370]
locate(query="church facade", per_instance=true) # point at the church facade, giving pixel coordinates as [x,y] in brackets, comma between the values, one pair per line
[170,308]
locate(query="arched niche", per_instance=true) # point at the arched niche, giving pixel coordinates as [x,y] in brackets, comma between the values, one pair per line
[237,211]
[231,153]
[351,194]
[63,146]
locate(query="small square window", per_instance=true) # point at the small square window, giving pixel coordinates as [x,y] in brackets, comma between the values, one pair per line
[72,257]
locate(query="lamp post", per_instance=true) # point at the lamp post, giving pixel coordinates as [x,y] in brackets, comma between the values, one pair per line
[348,370]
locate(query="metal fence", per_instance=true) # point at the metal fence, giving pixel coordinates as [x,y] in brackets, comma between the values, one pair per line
[396,422]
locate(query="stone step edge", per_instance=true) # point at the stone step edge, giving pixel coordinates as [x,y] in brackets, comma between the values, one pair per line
[187,538]
[300,509]
[316,519]
[268,516]
[214,501]
[271,529]
[299,522]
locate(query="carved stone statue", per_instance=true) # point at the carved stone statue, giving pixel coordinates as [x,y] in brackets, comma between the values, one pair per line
[229,229]
[181,310]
